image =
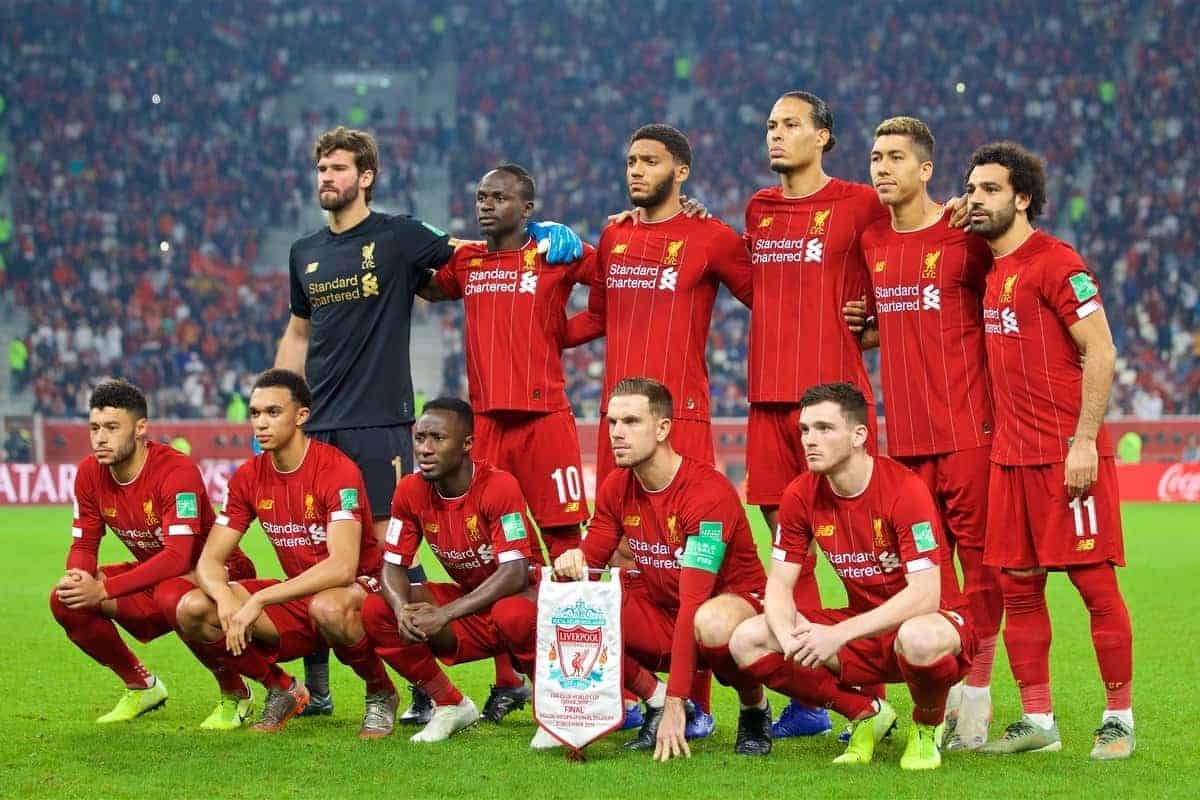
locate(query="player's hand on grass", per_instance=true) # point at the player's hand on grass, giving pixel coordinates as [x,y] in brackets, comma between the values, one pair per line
[958,211]
[571,564]
[81,590]
[237,635]
[427,618]
[1081,467]
[818,644]
[854,312]
[671,741]
[560,244]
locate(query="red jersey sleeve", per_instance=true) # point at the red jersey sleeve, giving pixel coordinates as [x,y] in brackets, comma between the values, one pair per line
[447,280]
[343,494]
[87,527]
[180,494]
[588,325]
[509,525]
[403,535]
[238,511]
[917,525]
[793,536]
[604,530]
[1069,286]
[707,532]
[582,269]
[730,262]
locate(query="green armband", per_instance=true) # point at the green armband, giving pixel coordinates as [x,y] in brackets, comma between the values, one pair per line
[705,554]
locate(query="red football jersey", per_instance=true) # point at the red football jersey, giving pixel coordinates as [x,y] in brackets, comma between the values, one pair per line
[1034,294]
[807,264]
[871,540]
[296,508]
[691,541]
[516,323]
[652,296]
[163,516]
[928,299]
[471,535]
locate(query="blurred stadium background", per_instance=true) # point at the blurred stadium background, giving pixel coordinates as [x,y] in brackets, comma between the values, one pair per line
[154,168]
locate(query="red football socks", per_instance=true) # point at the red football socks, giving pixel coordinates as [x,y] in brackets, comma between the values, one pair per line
[98,637]
[1027,638]
[361,658]
[814,687]
[929,685]
[726,670]
[1112,634]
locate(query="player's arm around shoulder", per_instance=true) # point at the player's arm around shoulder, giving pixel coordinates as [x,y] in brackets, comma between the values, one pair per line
[730,261]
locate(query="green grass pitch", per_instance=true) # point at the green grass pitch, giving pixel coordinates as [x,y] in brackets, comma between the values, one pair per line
[50,747]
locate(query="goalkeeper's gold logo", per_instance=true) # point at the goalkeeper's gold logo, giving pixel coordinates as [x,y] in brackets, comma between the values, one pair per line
[673,249]
[819,220]
[931,262]
[370,285]
[368,256]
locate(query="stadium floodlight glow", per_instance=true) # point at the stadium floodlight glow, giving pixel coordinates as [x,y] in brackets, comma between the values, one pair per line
[164,246]
[960,87]
[156,98]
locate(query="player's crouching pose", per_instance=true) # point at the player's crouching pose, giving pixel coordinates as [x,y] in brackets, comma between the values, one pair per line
[878,526]
[700,573]
[310,500]
[153,499]
[473,517]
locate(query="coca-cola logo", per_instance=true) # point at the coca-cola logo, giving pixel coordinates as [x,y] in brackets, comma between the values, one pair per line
[1180,483]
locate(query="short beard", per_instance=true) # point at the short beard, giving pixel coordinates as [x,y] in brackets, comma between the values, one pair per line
[998,224]
[122,456]
[658,195]
[343,199]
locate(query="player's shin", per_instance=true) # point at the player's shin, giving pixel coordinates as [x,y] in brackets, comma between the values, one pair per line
[1027,638]
[98,637]
[361,658]
[981,585]
[815,687]
[1112,634]
[720,661]
[929,685]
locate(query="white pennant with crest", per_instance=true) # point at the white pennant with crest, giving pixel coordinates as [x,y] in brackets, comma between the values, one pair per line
[578,681]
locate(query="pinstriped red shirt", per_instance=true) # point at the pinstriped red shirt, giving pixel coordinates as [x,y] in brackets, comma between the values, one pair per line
[1034,295]
[652,297]
[807,263]
[928,299]
[516,321]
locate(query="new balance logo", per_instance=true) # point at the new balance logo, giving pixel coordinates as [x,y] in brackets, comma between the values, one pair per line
[528,282]
[814,250]
[667,280]
[931,298]
[1008,321]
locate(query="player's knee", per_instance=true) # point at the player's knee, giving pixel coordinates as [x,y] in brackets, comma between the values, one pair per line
[59,609]
[190,611]
[746,643]
[715,622]
[920,642]
[332,611]
[169,594]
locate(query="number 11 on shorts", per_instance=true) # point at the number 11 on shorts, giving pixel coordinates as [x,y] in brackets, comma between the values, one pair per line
[568,483]
[1077,507]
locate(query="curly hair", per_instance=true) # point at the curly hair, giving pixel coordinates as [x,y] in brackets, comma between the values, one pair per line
[1026,172]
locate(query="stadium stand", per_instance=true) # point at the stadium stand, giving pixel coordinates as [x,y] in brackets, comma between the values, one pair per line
[136,220]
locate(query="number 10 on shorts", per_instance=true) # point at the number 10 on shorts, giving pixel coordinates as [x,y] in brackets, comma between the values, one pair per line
[1077,506]
[568,483]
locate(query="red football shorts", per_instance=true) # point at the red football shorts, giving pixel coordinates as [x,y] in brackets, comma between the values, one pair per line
[138,613]
[1033,523]
[775,452]
[866,662]
[648,629]
[689,437]
[959,484]
[542,452]
[298,634]
[477,635]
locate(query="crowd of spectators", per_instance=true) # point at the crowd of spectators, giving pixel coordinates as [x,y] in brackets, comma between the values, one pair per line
[148,159]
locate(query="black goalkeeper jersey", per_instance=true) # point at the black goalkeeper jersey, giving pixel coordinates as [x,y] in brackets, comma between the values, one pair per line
[357,288]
